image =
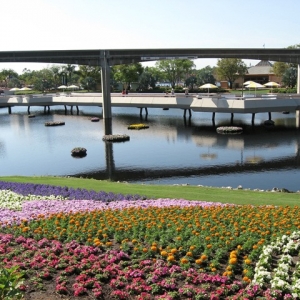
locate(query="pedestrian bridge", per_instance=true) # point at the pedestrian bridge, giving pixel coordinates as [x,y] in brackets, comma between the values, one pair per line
[215,103]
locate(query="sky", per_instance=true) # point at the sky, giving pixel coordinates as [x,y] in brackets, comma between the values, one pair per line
[133,24]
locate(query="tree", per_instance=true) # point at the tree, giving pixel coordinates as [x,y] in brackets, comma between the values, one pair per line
[127,73]
[43,79]
[229,68]
[205,75]
[27,77]
[289,77]
[7,77]
[89,76]
[56,71]
[175,70]
[191,81]
[149,78]
[279,68]
[68,70]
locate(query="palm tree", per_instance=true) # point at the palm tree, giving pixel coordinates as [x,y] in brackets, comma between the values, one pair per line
[69,71]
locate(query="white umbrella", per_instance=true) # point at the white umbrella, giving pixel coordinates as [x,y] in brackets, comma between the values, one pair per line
[254,85]
[62,87]
[272,84]
[73,86]
[247,82]
[25,89]
[208,86]
[14,89]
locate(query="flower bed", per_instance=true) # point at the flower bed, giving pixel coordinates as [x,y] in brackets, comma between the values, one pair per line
[229,130]
[116,138]
[149,248]
[58,123]
[138,126]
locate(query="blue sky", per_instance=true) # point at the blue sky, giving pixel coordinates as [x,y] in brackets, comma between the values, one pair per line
[132,24]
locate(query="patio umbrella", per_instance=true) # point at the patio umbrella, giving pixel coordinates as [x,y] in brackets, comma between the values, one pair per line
[272,84]
[62,87]
[73,87]
[14,89]
[208,86]
[25,88]
[254,85]
[248,82]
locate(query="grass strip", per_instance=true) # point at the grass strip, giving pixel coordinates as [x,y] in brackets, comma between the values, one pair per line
[168,191]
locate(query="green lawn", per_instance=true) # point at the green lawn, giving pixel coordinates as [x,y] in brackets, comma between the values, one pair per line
[169,191]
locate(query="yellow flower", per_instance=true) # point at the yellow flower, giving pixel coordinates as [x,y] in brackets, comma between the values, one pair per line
[184,261]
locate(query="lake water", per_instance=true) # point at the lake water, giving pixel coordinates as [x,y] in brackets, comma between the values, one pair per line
[173,150]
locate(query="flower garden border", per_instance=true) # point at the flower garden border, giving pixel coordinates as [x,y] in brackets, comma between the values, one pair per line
[229,130]
[58,123]
[116,138]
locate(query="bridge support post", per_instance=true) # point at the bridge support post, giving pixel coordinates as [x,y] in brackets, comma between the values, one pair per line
[297,119]
[231,119]
[9,109]
[65,109]
[253,117]
[28,109]
[213,117]
[298,80]
[105,85]
[270,115]
[77,109]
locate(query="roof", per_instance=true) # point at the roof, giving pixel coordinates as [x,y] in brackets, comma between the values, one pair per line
[263,67]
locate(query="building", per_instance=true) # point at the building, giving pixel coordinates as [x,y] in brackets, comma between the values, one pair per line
[260,73]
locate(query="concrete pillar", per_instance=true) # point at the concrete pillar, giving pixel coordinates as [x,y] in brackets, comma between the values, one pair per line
[252,119]
[105,84]
[297,119]
[110,163]
[298,80]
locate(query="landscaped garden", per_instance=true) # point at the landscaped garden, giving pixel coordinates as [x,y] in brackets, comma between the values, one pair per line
[69,243]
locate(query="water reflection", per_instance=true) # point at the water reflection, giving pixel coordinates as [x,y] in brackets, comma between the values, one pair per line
[173,150]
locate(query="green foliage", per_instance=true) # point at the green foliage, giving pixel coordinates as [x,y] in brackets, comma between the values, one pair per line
[289,77]
[230,69]
[164,191]
[10,281]
[175,70]
[205,75]
[127,73]
[279,68]
[89,76]
[149,78]
[7,76]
